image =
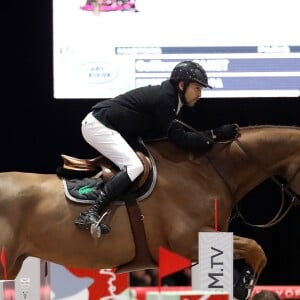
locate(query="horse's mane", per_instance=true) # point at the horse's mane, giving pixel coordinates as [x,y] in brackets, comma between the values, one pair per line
[246,128]
[252,128]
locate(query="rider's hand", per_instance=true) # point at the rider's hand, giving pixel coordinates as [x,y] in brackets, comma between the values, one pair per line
[225,132]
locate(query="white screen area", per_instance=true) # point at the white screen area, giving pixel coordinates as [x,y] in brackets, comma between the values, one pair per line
[249,48]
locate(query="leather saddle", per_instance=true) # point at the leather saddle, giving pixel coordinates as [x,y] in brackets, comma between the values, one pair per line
[102,167]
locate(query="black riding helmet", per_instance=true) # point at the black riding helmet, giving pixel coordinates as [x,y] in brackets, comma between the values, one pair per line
[189,71]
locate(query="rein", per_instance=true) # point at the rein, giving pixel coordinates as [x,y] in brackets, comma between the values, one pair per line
[284,189]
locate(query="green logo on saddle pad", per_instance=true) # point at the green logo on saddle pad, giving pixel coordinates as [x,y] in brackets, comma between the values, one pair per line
[85,190]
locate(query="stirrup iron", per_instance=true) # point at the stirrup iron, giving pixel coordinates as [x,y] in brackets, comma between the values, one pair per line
[95,229]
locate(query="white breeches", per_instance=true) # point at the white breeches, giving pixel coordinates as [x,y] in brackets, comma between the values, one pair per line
[111,145]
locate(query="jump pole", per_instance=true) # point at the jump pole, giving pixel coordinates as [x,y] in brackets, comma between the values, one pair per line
[33,280]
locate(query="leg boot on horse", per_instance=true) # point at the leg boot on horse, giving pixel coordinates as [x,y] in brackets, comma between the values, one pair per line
[111,191]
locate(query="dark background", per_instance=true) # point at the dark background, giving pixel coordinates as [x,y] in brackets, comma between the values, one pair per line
[36,129]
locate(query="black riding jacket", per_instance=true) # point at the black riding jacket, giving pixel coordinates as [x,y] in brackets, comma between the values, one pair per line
[149,111]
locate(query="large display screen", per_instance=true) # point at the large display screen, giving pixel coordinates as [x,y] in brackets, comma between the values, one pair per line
[249,48]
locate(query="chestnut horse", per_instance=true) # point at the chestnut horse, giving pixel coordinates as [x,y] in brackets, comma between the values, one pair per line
[36,218]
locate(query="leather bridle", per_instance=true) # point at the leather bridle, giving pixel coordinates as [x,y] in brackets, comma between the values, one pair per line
[284,189]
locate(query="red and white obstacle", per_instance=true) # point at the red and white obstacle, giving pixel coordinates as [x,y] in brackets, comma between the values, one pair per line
[211,279]
[32,282]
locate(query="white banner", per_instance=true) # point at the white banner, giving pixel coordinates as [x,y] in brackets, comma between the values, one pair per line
[215,269]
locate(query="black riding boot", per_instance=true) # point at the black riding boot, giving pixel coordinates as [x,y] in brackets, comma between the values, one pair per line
[111,191]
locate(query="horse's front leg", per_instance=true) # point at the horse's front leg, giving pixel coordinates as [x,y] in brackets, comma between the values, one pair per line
[251,252]
[245,278]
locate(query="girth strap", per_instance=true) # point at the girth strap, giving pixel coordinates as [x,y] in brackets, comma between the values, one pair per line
[142,253]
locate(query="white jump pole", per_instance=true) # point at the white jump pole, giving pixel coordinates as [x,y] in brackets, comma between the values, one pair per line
[214,273]
[33,280]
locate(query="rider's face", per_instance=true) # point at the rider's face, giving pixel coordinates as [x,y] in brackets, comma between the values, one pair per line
[192,93]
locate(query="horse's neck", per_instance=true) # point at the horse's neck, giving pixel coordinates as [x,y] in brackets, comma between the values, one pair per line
[265,152]
[272,147]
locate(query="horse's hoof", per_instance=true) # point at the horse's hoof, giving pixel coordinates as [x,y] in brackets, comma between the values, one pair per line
[244,281]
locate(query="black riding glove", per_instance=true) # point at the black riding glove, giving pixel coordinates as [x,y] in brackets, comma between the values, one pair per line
[225,132]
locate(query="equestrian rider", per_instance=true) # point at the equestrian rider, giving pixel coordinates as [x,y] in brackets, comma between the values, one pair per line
[113,123]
